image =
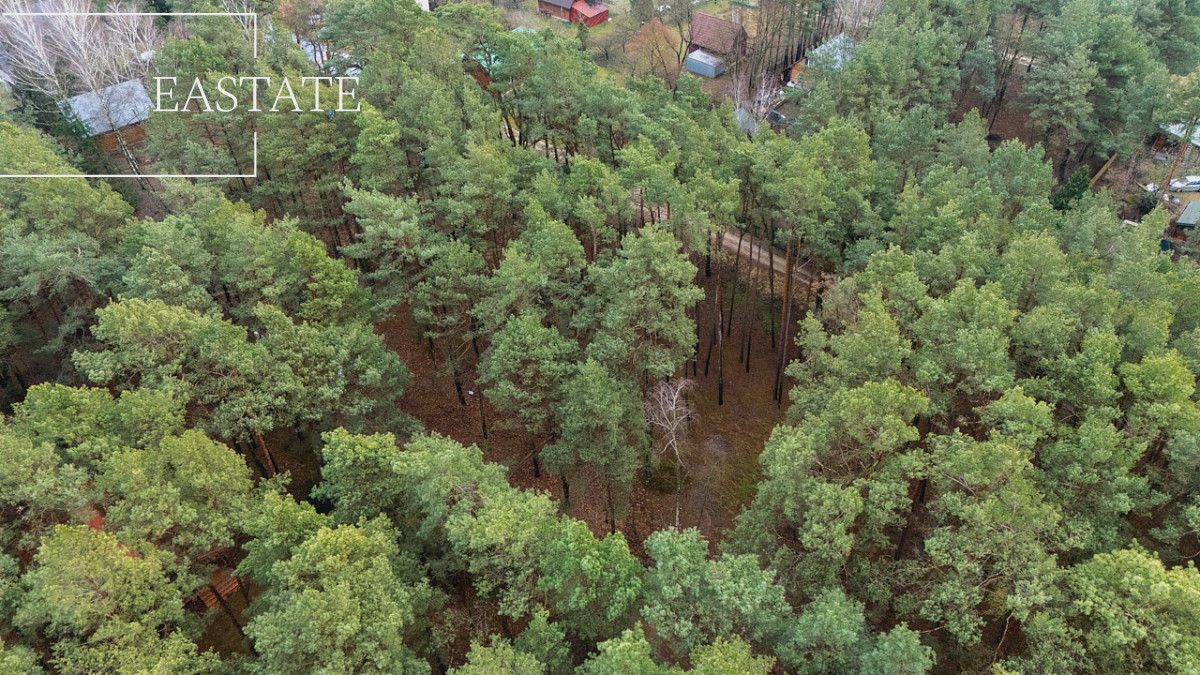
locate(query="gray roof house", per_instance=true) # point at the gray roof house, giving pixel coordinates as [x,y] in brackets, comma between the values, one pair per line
[128,103]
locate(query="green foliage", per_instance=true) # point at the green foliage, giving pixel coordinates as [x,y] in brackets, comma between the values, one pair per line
[546,642]
[462,516]
[593,584]
[972,418]
[590,199]
[1118,611]
[71,453]
[641,306]
[629,653]
[908,60]
[292,374]
[992,434]
[108,607]
[600,425]
[276,528]
[1100,80]
[692,600]
[56,240]
[19,660]
[729,657]
[498,658]
[526,370]
[1137,615]
[539,273]
[1072,190]
[342,601]
[187,495]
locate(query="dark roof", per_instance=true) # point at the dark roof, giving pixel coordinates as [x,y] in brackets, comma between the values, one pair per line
[565,4]
[1190,215]
[717,35]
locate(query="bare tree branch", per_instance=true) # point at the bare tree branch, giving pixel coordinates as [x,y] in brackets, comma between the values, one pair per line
[242,8]
[72,49]
[30,59]
[669,411]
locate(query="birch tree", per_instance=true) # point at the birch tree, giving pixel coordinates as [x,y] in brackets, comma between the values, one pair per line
[669,412]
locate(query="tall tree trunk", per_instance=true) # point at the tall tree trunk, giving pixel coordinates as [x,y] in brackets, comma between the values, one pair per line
[917,501]
[708,352]
[785,321]
[771,277]
[262,446]
[737,259]
[241,586]
[992,109]
[534,455]
[233,618]
[37,320]
[612,508]
[678,486]
[58,316]
[253,456]
[482,416]
[717,334]
[1000,651]
[18,372]
[458,388]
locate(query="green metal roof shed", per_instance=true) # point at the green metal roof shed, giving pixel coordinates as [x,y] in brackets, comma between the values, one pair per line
[1190,216]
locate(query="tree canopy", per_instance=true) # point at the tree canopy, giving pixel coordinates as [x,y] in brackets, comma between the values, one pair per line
[383,407]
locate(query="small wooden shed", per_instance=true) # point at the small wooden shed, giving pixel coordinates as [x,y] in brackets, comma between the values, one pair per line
[123,106]
[705,64]
[559,9]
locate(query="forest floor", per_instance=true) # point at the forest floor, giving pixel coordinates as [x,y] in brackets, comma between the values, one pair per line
[721,449]
[1011,120]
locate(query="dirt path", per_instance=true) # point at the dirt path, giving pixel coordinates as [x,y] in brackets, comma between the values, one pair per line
[753,250]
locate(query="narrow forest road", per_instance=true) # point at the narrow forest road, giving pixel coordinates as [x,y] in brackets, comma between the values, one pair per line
[753,250]
[806,273]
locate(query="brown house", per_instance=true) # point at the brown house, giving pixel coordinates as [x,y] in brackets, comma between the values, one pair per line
[559,9]
[717,36]
[575,11]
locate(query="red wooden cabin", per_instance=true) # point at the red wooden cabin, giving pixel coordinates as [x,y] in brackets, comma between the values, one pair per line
[588,14]
[575,11]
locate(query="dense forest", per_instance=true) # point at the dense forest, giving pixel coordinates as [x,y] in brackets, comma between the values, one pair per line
[423,394]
